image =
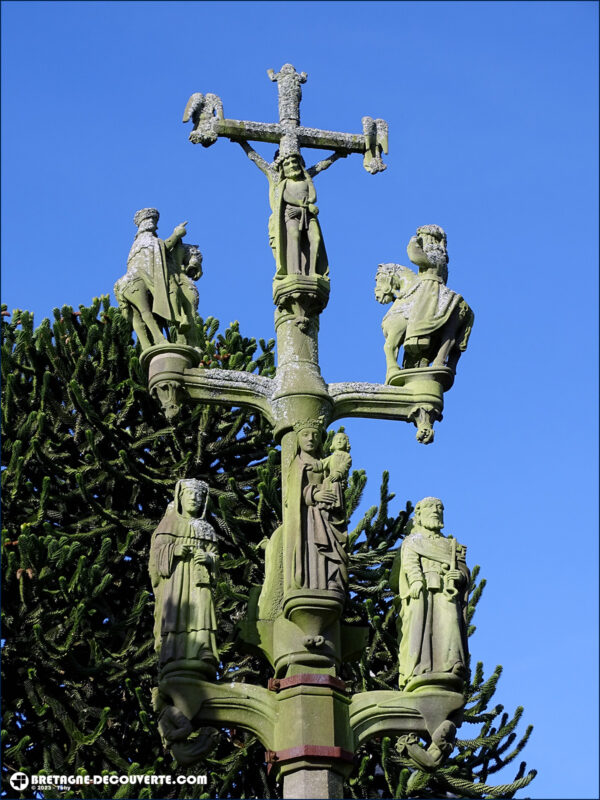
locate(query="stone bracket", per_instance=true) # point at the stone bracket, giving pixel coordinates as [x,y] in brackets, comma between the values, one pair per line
[421,388]
[335,724]
[419,399]
[178,365]
[224,704]
[388,712]
[233,388]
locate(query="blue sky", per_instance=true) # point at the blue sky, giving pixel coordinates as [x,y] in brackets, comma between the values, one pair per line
[493,117]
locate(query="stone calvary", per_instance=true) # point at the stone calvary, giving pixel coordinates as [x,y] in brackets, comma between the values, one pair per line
[309,725]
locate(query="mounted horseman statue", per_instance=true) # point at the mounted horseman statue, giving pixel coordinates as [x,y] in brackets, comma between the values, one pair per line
[430,321]
[158,290]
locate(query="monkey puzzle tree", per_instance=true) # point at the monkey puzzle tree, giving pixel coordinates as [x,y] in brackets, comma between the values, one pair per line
[89,465]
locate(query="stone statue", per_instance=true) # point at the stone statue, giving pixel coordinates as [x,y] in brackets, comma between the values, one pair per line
[294,232]
[175,729]
[158,289]
[428,760]
[314,549]
[290,91]
[183,561]
[337,465]
[376,142]
[431,580]
[430,320]
[202,109]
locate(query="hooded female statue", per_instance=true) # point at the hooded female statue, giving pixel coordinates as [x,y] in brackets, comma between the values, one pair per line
[183,560]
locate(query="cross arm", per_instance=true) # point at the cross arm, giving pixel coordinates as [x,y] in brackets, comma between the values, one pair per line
[272,132]
[208,130]
[331,140]
[172,370]
[373,400]
[231,387]
[253,131]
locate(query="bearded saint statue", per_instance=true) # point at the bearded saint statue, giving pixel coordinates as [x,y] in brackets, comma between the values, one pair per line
[431,579]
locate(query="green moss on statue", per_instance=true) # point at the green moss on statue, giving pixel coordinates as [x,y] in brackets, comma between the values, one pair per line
[158,290]
[183,560]
[428,319]
[431,580]
[314,518]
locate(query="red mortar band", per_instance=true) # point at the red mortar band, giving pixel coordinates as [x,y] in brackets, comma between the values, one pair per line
[308,751]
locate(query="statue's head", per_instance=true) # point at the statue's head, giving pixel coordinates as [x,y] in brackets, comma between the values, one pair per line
[432,234]
[444,734]
[309,435]
[288,69]
[292,165]
[341,442]
[430,241]
[194,266]
[191,497]
[429,514]
[146,219]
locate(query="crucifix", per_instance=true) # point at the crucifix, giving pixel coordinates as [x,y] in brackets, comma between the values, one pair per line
[295,234]
[294,619]
[206,112]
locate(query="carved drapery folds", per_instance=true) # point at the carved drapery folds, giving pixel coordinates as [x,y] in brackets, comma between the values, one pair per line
[430,321]
[431,582]
[158,290]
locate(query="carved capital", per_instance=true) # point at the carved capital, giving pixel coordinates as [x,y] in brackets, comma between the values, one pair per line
[171,396]
[300,296]
[424,418]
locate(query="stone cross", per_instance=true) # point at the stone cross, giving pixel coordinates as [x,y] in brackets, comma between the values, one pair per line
[295,618]
[206,112]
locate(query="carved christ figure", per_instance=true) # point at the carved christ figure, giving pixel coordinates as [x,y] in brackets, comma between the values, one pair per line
[294,232]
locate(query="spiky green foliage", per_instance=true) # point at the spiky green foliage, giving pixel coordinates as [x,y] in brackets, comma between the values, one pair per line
[90,464]
[90,467]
